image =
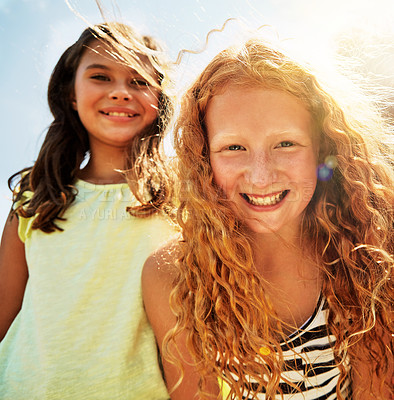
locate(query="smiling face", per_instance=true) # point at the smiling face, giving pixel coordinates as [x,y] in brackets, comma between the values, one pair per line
[113,102]
[263,156]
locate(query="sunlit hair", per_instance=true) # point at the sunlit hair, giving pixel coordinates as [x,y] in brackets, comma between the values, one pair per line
[66,144]
[218,298]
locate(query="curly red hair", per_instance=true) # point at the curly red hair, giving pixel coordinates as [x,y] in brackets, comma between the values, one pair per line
[218,298]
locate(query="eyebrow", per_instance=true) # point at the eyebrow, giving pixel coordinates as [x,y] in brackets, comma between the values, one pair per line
[134,73]
[100,66]
[224,136]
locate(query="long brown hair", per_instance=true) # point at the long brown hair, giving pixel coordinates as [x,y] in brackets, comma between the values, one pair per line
[66,143]
[218,298]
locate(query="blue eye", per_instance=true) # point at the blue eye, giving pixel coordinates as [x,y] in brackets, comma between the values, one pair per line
[235,147]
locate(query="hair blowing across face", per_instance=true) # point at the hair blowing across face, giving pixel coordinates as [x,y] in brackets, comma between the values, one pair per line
[347,228]
[66,143]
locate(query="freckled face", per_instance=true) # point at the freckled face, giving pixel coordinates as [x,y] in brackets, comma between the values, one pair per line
[263,156]
[113,101]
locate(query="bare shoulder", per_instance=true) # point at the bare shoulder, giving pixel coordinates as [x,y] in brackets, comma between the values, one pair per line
[158,280]
[161,265]
[158,276]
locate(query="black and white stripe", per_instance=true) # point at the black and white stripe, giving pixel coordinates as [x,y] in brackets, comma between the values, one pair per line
[309,362]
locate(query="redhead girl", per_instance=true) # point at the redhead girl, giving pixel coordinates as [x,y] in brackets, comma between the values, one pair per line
[72,322]
[280,286]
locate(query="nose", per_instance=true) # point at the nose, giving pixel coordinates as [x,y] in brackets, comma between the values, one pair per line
[120,92]
[261,171]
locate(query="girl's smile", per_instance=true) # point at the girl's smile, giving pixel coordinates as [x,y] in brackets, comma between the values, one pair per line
[119,112]
[265,201]
[263,156]
[113,101]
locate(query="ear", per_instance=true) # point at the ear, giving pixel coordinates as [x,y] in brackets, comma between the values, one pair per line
[74,104]
[73,101]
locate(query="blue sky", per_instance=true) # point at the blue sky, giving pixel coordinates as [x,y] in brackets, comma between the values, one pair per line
[34,33]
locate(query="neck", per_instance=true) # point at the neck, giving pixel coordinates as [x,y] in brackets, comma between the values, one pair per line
[275,247]
[273,255]
[292,278]
[286,264]
[104,168]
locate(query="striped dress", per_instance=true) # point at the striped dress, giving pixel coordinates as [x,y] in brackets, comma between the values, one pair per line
[309,362]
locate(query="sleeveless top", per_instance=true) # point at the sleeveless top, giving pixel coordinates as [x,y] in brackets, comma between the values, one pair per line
[82,332]
[309,362]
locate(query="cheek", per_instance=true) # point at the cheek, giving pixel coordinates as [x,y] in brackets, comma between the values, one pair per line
[308,189]
[151,104]
[309,181]
[303,165]
[216,171]
[224,175]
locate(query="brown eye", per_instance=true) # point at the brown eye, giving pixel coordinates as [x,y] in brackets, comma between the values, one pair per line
[100,77]
[141,83]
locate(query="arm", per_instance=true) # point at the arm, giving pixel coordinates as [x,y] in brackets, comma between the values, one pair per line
[13,274]
[157,279]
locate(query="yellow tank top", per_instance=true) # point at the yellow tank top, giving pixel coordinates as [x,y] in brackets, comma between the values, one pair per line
[82,332]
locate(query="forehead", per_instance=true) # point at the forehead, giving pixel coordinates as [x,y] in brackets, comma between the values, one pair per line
[241,109]
[101,53]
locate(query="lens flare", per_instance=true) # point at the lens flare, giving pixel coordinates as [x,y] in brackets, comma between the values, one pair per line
[324,172]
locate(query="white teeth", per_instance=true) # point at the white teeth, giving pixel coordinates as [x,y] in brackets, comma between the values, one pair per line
[265,201]
[118,114]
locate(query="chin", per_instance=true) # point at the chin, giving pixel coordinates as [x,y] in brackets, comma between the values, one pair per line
[264,228]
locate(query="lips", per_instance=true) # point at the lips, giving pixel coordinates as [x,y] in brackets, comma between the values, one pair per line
[269,200]
[122,113]
[118,114]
